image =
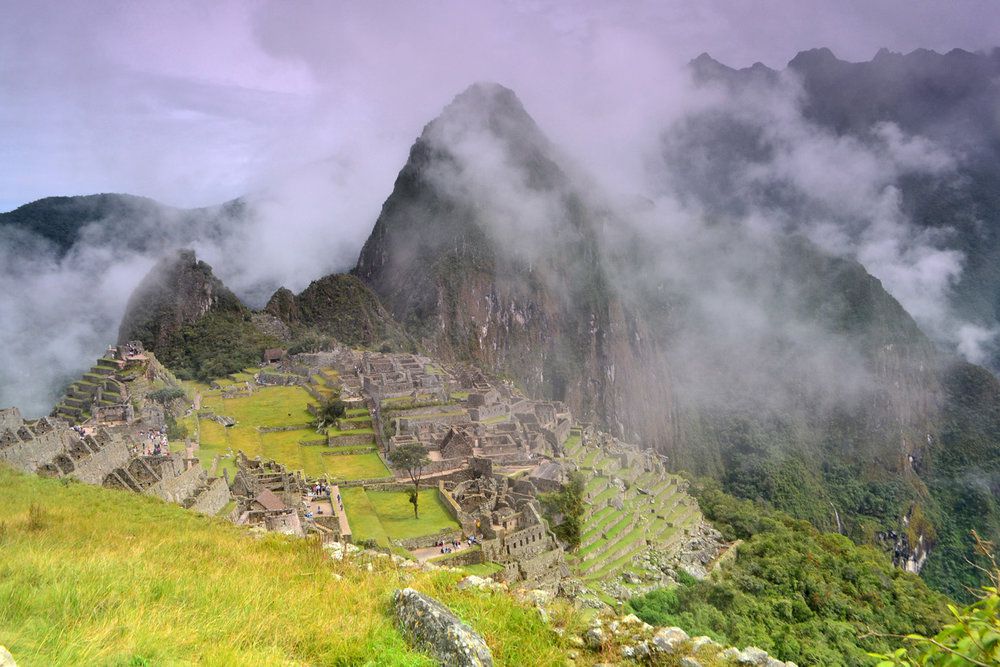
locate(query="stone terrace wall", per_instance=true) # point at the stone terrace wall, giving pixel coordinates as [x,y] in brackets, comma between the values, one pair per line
[214,498]
[177,489]
[25,450]
[114,454]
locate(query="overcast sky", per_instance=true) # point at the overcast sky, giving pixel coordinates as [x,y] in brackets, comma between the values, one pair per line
[194,103]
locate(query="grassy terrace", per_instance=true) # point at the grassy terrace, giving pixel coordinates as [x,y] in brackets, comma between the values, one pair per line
[135,581]
[282,407]
[385,515]
[611,538]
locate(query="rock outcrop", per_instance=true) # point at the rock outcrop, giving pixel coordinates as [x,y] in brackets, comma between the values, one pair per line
[341,306]
[178,291]
[431,627]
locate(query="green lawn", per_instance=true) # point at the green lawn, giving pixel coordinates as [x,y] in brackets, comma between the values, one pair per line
[354,466]
[482,569]
[270,406]
[396,513]
[361,515]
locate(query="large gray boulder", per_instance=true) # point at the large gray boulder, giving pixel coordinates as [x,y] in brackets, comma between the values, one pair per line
[431,627]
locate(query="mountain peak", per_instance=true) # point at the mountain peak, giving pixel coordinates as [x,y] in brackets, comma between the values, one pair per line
[813,57]
[485,107]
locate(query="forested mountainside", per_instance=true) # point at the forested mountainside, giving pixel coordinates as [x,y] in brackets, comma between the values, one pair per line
[123,222]
[936,111]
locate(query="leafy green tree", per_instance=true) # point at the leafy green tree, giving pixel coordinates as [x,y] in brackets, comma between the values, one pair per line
[568,503]
[330,411]
[800,594]
[412,458]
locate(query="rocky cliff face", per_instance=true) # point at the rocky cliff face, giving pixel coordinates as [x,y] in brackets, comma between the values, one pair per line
[178,291]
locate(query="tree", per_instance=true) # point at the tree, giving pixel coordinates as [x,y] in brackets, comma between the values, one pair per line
[412,458]
[330,411]
[568,504]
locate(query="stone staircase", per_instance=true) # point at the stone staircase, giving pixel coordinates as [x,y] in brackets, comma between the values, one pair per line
[97,387]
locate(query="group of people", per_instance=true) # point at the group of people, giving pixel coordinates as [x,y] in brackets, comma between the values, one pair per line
[319,489]
[452,545]
[154,443]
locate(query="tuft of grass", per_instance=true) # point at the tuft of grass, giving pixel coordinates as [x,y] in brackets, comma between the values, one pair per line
[37,517]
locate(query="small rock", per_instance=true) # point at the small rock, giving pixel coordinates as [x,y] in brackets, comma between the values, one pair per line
[576,641]
[666,640]
[729,654]
[631,619]
[594,638]
[337,577]
[544,615]
[472,581]
[6,659]
[430,625]
[752,655]
[537,596]
[688,661]
[700,642]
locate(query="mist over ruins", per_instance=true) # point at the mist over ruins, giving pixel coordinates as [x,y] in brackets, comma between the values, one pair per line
[499,333]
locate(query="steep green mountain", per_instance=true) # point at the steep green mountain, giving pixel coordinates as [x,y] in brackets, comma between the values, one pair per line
[487,250]
[342,307]
[194,324]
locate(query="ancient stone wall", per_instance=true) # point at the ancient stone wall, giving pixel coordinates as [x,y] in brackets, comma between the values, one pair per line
[22,448]
[113,454]
[179,488]
[213,498]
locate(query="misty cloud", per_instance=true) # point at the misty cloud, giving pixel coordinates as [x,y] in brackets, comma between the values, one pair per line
[308,109]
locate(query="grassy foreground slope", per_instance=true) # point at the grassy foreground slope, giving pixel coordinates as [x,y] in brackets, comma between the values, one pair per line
[99,577]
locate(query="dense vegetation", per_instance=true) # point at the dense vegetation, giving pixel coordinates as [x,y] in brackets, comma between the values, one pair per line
[973,636]
[564,509]
[338,306]
[798,593]
[91,576]
[964,479]
[216,345]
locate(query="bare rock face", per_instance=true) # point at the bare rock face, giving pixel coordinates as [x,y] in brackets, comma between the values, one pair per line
[431,627]
[499,262]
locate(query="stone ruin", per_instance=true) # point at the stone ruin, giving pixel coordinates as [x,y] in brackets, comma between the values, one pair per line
[108,456]
[272,497]
[507,515]
[102,393]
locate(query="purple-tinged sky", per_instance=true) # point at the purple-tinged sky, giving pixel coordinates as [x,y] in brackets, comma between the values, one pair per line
[193,103]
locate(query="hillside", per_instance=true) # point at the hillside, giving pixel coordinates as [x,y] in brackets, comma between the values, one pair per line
[341,307]
[119,222]
[93,576]
[196,326]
